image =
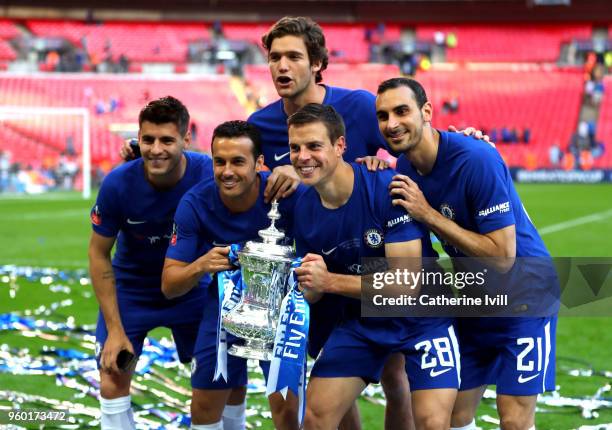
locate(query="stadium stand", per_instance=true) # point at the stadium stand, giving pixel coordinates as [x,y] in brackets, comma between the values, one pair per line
[209,99]
[141,42]
[6,51]
[604,126]
[8,29]
[168,42]
[543,99]
[503,42]
[345,42]
[546,102]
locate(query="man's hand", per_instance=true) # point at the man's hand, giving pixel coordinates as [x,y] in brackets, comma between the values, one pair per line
[471,131]
[373,163]
[313,275]
[282,182]
[126,153]
[115,342]
[216,260]
[179,277]
[409,196]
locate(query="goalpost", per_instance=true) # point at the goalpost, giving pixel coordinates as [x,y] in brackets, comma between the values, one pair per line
[23,112]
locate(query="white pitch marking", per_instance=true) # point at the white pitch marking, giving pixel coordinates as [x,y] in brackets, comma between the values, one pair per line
[554,228]
[74,213]
[599,216]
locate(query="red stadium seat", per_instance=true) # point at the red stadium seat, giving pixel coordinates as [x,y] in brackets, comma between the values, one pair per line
[142,42]
[209,99]
[547,102]
[6,51]
[504,42]
[604,126]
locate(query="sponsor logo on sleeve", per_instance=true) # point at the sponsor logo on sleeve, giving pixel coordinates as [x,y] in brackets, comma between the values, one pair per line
[399,220]
[501,208]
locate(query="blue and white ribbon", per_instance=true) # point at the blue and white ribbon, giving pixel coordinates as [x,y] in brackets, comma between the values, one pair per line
[229,287]
[288,366]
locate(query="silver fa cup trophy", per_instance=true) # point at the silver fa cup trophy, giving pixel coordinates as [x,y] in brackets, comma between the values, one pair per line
[265,268]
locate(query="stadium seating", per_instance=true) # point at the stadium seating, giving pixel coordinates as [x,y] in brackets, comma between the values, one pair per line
[142,42]
[8,29]
[166,42]
[6,51]
[604,126]
[209,99]
[547,102]
[345,42]
[517,43]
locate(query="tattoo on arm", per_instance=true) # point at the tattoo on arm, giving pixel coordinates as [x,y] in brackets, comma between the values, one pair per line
[108,274]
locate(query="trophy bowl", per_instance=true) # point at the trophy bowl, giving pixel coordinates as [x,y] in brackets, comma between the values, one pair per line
[265,268]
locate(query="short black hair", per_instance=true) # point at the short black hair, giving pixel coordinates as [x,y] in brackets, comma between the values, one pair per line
[164,110]
[310,32]
[315,112]
[238,128]
[417,89]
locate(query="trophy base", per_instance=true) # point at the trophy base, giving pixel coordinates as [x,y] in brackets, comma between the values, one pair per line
[256,350]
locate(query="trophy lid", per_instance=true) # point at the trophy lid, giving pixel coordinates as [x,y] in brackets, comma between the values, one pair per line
[270,236]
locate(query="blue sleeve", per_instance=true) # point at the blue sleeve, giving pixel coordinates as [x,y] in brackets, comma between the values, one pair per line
[184,244]
[106,214]
[398,225]
[488,192]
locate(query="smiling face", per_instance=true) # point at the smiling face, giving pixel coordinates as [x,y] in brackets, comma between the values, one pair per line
[161,146]
[290,67]
[313,155]
[400,120]
[235,167]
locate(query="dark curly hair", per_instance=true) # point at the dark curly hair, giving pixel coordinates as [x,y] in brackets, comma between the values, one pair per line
[309,31]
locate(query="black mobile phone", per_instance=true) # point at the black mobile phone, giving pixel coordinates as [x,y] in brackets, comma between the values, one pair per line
[135,148]
[125,360]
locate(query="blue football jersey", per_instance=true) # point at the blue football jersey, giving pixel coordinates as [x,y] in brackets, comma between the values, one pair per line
[471,185]
[345,236]
[141,217]
[358,109]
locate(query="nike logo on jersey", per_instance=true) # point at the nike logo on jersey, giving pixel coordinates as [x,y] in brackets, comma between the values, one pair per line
[330,251]
[219,244]
[280,157]
[129,221]
[522,379]
[433,373]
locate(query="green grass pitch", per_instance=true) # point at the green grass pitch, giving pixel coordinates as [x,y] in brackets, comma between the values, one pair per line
[53,231]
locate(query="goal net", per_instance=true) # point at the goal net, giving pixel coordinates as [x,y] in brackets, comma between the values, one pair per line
[45,149]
